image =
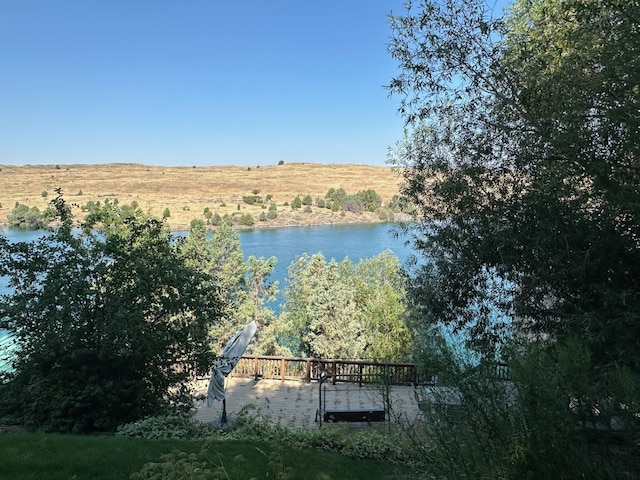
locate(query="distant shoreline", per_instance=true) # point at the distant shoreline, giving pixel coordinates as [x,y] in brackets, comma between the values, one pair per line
[183,194]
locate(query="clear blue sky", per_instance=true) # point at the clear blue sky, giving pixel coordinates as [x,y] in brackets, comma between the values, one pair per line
[196,82]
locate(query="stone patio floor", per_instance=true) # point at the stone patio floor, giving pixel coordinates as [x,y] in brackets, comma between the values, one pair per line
[295,403]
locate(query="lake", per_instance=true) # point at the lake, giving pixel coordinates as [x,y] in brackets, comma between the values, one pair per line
[286,244]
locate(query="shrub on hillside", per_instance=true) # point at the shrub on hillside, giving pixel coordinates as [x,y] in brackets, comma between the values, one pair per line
[24,216]
[246,220]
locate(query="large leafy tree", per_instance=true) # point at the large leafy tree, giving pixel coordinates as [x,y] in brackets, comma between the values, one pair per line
[521,156]
[344,310]
[111,324]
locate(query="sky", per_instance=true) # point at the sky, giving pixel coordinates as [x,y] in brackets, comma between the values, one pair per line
[196,82]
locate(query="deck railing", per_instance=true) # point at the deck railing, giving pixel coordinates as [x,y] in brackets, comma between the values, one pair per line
[311,369]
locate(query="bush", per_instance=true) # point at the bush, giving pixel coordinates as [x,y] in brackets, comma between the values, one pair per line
[365,444]
[216,219]
[542,423]
[24,216]
[251,199]
[166,426]
[246,220]
[350,205]
[88,361]
[273,212]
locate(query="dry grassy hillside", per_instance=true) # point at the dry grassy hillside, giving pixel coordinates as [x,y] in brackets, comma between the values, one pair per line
[187,191]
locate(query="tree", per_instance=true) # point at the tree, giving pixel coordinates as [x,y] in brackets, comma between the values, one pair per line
[227,269]
[341,310]
[380,292]
[257,293]
[320,315]
[242,287]
[521,158]
[110,324]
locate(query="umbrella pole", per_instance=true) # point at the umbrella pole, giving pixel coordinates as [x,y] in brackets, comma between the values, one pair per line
[224,411]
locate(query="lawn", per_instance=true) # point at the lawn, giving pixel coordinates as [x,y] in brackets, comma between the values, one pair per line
[31,456]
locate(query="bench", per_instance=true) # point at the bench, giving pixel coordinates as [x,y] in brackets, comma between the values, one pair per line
[364,415]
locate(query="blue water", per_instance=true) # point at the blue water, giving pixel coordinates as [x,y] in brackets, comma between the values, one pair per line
[356,242]
[286,244]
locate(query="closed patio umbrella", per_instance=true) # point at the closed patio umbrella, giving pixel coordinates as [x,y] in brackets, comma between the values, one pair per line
[228,358]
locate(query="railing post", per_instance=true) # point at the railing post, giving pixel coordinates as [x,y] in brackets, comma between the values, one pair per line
[335,371]
[255,367]
[282,372]
[308,377]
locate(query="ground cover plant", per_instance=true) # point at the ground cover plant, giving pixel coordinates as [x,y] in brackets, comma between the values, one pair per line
[34,456]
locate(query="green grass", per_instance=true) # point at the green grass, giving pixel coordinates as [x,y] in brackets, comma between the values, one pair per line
[38,456]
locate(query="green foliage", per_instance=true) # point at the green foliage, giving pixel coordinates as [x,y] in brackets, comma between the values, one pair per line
[166,213]
[35,456]
[365,200]
[307,200]
[252,199]
[547,421]
[523,167]
[341,310]
[242,287]
[179,465]
[216,219]
[321,203]
[370,444]
[23,216]
[296,203]
[400,204]
[44,194]
[263,217]
[273,212]
[166,426]
[102,320]
[90,206]
[336,196]
[246,220]
[281,162]
[368,199]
